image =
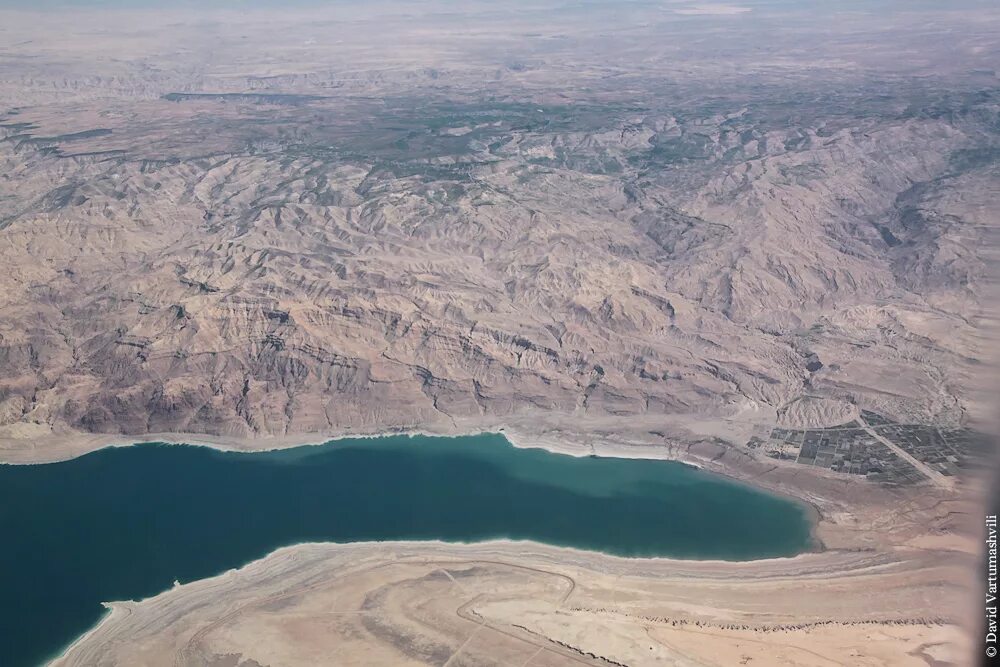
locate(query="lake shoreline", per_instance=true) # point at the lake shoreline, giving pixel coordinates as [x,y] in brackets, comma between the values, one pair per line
[538,434]
[120,608]
[813,504]
[71,446]
[591,481]
[178,621]
[83,444]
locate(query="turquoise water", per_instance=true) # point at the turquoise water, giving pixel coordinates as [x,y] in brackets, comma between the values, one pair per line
[124,523]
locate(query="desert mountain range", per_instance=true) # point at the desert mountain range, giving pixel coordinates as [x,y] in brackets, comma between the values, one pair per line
[345,225]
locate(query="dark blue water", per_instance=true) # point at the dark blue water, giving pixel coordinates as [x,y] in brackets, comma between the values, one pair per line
[124,523]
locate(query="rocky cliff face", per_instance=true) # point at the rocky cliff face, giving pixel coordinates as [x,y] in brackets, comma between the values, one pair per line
[293,257]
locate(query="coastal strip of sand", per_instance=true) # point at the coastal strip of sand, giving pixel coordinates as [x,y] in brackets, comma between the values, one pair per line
[525,603]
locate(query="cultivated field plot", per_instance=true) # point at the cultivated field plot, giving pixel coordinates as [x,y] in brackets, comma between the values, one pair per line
[948,451]
[853,449]
[848,449]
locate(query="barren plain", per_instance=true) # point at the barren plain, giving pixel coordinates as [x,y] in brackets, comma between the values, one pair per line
[655,230]
[518,603]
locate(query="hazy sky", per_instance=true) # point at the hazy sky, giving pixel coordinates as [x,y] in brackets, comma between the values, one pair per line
[692,7]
